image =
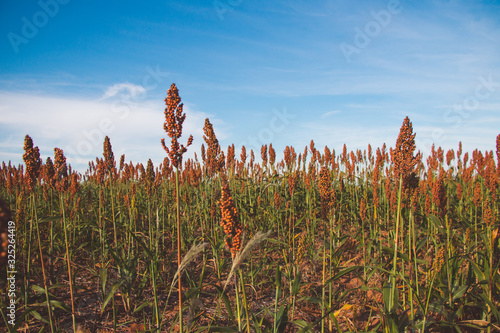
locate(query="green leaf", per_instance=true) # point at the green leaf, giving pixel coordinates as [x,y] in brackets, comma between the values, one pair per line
[342,273]
[310,299]
[226,302]
[282,317]
[49,219]
[37,315]
[143,305]
[144,246]
[40,290]
[296,284]
[111,293]
[390,297]
[60,305]
[217,329]
[459,292]
[479,273]
[103,274]
[300,323]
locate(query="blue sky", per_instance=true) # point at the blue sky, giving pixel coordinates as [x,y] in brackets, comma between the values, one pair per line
[285,72]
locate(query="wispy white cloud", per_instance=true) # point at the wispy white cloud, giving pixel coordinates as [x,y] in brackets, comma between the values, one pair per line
[127,89]
[330,113]
[78,126]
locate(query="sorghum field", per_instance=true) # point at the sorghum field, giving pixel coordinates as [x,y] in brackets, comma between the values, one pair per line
[379,240]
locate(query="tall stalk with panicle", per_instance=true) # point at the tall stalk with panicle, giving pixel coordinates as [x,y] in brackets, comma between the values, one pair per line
[174,118]
[149,181]
[404,174]
[61,183]
[31,158]
[232,229]
[214,160]
[325,193]
[110,171]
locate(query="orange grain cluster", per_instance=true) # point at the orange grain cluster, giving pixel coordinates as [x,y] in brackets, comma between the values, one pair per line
[174,118]
[362,209]
[230,161]
[31,158]
[272,155]
[403,158]
[498,155]
[439,195]
[109,159]
[229,222]
[325,191]
[376,177]
[277,200]
[48,173]
[61,170]
[289,156]
[149,178]
[293,180]
[263,154]
[214,162]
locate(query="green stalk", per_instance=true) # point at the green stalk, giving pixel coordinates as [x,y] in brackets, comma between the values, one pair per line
[154,262]
[237,303]
[330,272]
[490,272]
[245,304]
[394,262]
[102,228]
[153,282]
[27,275]
[114,314]
[113,212]
[413,256]
[278,286]
[447,258]
[323,292]
[52,329]
[364,248]
[154,265]
[68,260]
[177,199]
[402,251]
